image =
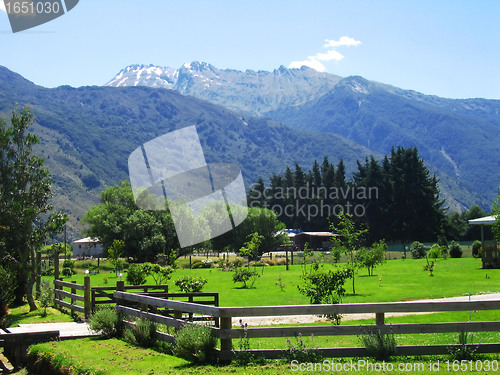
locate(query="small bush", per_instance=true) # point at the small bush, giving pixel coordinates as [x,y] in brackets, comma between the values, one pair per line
[435,251]
[243,275]
[465,350]
[8,282]
[143,333]
[380,345]
[46,295]
[196,343]
[299,351]
[107,323]
[417,250]
[136,275]
[455,250]
[190,283]
[476,249]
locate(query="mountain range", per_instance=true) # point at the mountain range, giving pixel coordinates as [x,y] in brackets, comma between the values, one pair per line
[457,138]
[262,121]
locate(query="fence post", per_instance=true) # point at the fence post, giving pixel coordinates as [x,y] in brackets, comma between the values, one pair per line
[56,265]
[379,318]
[227,343]
[86,297]
[73,291]
[120,287]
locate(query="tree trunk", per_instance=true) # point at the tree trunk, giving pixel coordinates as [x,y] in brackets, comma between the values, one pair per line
[29,294]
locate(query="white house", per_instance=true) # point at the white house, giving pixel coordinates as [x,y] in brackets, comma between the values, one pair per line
[87,247]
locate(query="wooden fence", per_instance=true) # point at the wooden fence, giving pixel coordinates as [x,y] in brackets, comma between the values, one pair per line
[227,333]
[85,299]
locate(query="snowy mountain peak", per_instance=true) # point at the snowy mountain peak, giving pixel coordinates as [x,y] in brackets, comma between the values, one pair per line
[251,92]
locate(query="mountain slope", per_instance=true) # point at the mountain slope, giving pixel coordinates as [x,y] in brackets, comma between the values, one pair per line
[87,134]
[456,138]
[250,92]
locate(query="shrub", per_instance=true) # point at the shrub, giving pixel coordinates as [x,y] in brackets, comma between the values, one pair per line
[299,351]
[8,283]
[243,275]
[190,283]
[417,250]
[159,273]
[196,343]
[46,295]
[143,333]
[380,345]
[465,349]
[455,250]
[107,323]
[476,249]
[68,268]
[136,275]
[435,251]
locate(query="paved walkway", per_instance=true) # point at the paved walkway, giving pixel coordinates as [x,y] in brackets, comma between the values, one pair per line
[66,329]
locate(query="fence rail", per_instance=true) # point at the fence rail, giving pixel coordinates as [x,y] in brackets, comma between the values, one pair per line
[227,333]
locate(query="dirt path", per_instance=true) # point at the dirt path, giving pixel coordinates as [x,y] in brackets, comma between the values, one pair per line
[298,319]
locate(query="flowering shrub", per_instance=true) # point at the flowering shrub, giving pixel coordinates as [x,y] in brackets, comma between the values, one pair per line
[190,283]
[299,351]
[196,343]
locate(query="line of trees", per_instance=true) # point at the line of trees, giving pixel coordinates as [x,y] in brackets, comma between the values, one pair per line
[148,233]
[397,198]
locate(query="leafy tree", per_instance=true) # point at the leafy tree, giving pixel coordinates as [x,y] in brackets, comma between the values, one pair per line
[160,274]
[243,275]
[190,284]
[115,252]
[417,250]
[260,220]
[324,286]
[476,249]
[7,286]
[349,239]
[371,257]
[250,248]
[455,250]
[146,233]
[136,275]
[26,215]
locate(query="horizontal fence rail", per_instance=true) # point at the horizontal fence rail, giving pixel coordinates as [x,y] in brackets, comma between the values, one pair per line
[227,333]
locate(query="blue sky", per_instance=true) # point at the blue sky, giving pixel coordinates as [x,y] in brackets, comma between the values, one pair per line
[446,48]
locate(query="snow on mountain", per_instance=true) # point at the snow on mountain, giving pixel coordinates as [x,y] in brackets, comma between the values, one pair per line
[253,92]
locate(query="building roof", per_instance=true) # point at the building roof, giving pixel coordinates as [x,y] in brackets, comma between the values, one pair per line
[487,220]
[87,240]
[317,234]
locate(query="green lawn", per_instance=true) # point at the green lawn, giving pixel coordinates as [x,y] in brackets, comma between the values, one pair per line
[394,280]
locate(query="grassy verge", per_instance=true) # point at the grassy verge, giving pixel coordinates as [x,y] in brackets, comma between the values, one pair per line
[22,315]
[90,356]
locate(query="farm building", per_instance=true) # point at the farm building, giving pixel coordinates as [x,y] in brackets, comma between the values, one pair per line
[86,248]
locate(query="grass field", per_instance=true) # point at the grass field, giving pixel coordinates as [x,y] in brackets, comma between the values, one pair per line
[394,280]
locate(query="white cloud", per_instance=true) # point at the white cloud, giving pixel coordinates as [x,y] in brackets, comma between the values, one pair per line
[312,62]
[2,6]
[315,61]
[343,41]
